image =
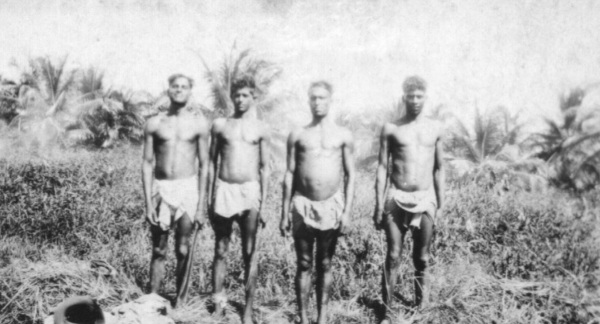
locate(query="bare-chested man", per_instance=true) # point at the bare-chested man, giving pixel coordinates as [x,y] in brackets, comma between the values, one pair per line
[415,193]
[319,160]
[175,148]
[237,188]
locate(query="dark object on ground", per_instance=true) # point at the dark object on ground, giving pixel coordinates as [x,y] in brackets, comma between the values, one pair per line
[78,310]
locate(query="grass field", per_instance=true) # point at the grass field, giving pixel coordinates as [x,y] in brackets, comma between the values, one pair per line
[519,257]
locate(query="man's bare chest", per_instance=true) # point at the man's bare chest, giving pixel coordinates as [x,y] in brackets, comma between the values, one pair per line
[404,136]
[319,143]
[239,133]
[173,133]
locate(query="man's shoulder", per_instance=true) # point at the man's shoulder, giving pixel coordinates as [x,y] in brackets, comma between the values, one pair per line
[260,126]
[344,132]
[218,124]
[389,127]
[295,133]
[434,125]
[154,122]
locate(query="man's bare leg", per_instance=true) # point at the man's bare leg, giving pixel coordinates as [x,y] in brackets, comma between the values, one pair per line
[303,242]
[222,228]
[182,247]
[160,240]
[422,240]
[326,242]
[249,228]
[395,244]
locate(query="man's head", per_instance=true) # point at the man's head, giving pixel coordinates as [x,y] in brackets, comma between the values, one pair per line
[319,98]
[180,88]
[415,94]
[243,92]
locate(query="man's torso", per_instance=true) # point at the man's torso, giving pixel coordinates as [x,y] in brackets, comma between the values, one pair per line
[319,161]
[412,149]
[239,145]
[175,141]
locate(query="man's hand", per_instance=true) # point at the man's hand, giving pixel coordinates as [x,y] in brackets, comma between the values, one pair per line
[151,217]
[377,218]
[344,223]
[284,226]
[261,218]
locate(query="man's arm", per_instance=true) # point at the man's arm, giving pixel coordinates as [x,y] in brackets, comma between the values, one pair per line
[288,183]
[350,176]
[264,171]
[213,166]
[147,166]
[203,165]
[381,178]
[439,174]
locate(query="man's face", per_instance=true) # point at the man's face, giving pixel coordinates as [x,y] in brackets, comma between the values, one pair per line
[319,100]
[180,90]
[414,100]
[243,99]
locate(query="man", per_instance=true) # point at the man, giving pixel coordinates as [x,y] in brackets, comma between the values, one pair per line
[416,192]
[175,147]
[238,188]
[319,159]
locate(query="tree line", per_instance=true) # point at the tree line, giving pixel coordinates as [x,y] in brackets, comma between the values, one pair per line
[76,107]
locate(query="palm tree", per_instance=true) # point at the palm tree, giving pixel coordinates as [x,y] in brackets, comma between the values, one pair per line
[51,80]
[268,105]
[492,134]
[238,64]
[42,91]
[569,146]
[110,115]
[491,152]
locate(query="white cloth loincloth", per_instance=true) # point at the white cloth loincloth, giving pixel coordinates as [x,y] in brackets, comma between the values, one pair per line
[322,215]
[416,202]
[174,199]
[234,198]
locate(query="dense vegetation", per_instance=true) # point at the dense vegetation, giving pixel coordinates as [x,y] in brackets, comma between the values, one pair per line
[518,242]
[499,256]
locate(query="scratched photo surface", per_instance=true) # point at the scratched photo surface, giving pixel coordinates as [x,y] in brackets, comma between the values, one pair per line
[512,89]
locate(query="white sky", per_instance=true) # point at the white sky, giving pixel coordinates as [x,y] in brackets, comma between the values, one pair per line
[487,53]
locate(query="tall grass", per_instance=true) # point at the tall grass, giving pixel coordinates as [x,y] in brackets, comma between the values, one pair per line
[517,258]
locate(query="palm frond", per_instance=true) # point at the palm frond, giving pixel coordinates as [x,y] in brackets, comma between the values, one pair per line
[92,81]
[569,117]
[576,142]
[238,62]
[467,149]
[590,161]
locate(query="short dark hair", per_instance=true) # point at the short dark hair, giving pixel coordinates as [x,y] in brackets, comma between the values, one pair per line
[244,81]
[321,84]
[176,76]
[414,82]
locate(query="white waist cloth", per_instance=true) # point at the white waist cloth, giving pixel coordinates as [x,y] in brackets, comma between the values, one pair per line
[174,199]
[415,202]
[322,215]
[234,198]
